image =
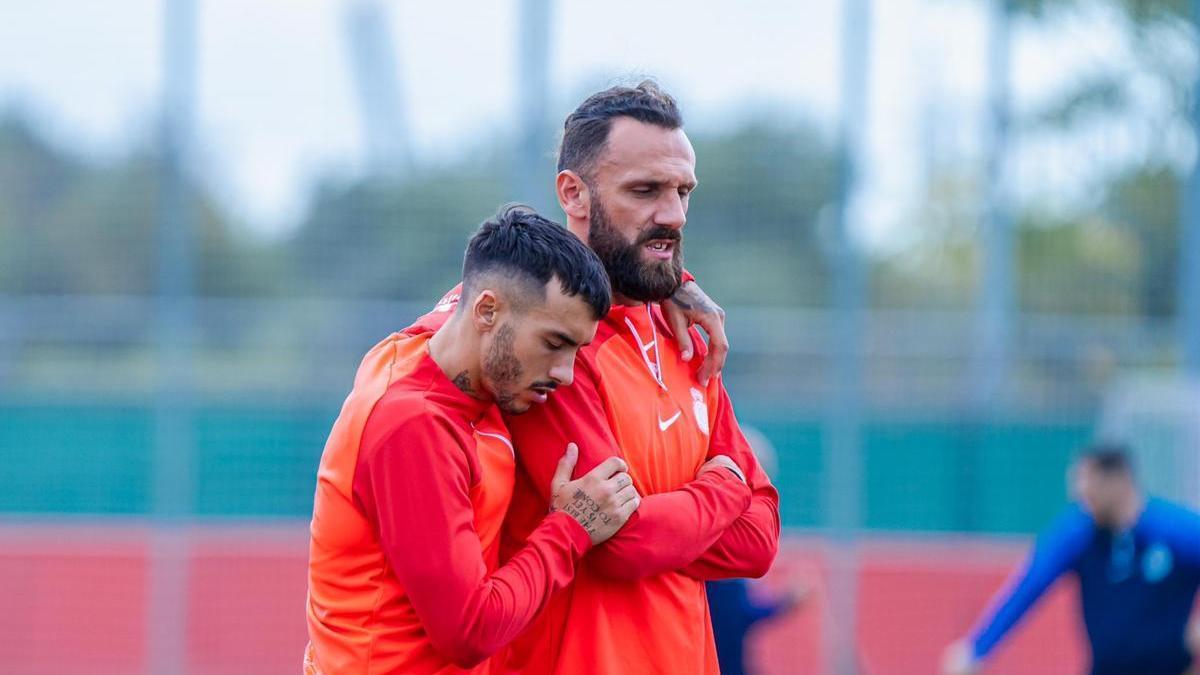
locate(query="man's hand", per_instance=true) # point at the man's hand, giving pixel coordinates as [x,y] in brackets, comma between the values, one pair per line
[601,500]
[688,306]
[1192,640]
[721,463]
[958,660]
[795,596]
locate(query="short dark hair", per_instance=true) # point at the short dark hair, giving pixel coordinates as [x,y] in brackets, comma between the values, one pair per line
[524,245]
[586,130]
[1108,458]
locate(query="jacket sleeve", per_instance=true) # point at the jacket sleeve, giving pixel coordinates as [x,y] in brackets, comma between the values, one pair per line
[670,529]
[414,483]
[747,548]
[1056,551]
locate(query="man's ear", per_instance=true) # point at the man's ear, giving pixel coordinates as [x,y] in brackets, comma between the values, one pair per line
[573,195]
[484,310]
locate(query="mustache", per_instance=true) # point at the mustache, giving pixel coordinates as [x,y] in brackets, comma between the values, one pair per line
[661,233]
[549,385]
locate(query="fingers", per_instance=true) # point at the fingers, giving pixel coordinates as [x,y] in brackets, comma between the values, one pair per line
[566,466]
[679,328]
[718,347]
[717,461]
[800,593]
[737,470]
[720,462]
[625,494]
[957,659]
[691,304]
[608,467]
[626,510]
[621,480]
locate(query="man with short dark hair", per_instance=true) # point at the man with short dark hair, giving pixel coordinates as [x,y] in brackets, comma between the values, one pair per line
[404,573]
[1138,564]
[626,173]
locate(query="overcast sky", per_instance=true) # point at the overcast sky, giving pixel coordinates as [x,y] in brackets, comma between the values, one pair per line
[276,104]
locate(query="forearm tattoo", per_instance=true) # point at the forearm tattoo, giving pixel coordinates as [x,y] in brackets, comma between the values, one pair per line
[689,296]
[685,305]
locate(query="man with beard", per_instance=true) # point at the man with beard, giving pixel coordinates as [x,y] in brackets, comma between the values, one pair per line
[418,472]
[626,171]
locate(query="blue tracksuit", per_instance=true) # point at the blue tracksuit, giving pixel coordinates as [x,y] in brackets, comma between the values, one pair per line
[734,612]
[1137,587]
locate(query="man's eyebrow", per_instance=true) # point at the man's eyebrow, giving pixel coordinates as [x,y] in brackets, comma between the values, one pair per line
[559,335]
[657,182]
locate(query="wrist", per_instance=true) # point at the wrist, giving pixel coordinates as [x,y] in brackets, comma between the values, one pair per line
[576,531]
[721,477]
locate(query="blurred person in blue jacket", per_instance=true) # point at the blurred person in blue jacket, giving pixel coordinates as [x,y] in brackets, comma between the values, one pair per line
[738,605]
[1138,564]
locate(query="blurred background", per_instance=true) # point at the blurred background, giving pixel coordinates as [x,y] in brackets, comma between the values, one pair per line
[956,240]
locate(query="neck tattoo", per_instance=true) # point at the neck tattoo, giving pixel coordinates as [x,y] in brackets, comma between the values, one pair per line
[463,382]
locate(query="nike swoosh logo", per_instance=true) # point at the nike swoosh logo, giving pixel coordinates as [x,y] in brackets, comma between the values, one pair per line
[663,425]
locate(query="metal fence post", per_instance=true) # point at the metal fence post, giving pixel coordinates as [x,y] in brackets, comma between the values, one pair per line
[1189,249]
[530,180]
[172,466]
[843,442]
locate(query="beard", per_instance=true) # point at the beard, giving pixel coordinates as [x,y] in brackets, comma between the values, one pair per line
[630,275]
[503,370]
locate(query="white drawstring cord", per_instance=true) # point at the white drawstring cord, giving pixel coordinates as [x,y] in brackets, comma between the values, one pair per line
[656,367]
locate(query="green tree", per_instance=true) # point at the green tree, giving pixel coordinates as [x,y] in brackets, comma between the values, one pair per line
[752,227]
[395,240]
[68,225]
[750,233]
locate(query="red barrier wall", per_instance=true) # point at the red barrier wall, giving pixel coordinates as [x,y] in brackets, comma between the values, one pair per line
[75,599]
